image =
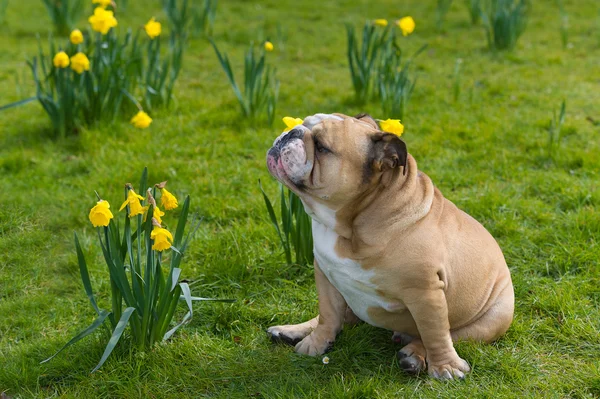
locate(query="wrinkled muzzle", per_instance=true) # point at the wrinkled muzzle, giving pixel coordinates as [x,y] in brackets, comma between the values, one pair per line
[287,160]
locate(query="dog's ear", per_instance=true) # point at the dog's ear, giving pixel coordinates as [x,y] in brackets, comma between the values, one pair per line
[367,119]
[388,152]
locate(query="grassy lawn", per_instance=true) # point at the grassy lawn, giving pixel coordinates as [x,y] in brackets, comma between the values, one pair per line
[486,152]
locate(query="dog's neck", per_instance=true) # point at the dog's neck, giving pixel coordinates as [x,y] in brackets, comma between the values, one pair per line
[406,198]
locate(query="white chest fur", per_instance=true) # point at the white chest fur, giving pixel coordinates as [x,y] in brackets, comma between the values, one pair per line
[346,275]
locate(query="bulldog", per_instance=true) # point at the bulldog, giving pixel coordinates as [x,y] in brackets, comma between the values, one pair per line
[389,248]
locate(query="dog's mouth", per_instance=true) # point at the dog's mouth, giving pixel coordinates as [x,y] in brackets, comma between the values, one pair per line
[288,159]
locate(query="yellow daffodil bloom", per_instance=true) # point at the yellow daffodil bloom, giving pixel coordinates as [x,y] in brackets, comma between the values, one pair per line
[392,126]
[102,20]
[61,60]
[381,22]
[76,37]
[141,120]
[102,3]
[152,28]
[163,239]
[406,25]
[80,63]
[100,214]
[269,46]
[167,200]
[291,123]
[135,207]
[158,214]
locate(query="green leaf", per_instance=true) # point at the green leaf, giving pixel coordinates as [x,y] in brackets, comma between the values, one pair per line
[182,222]
[85,277]
[114,339]
[144,178]
[185,289]
[197,298]
[17,103]
[175,278]
[97,323]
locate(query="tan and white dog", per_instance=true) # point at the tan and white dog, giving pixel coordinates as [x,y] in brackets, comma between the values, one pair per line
[389,248]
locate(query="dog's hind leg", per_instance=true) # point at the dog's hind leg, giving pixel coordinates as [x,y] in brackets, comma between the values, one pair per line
[493,323]
[412,357]
[402,338]
[291,334]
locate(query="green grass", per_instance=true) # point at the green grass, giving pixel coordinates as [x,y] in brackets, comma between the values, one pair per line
[486,153]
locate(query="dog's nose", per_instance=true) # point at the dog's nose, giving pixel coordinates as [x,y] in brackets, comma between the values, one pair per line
[273,153]
[295,133]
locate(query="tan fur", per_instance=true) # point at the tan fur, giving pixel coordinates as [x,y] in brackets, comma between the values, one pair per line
[441,270]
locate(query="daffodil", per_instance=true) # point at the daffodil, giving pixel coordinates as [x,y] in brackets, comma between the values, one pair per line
[158,214]
[381,22]
[61,60]
[100,214]
[163,239]
[406,25]
[76,37]
[291,123]
[392,126]
[102,3]
[102,20]
[152,28]
[141,120]
[167,200]
[133,200]
[80,63]
[269,46]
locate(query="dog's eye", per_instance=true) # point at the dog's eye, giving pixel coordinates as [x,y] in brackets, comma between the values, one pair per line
[321,148]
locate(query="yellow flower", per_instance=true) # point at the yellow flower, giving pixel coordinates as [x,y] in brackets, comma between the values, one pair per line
[158,214]
[381,22]
[80,63]
[407,25]
[291,123]
[141,120]
[152,28]
[100,214]
[102,20]
[61,60]
[163,239]
[76,37]
[102,3]
[167,200]
[133,200]
[392,126]
[269,46]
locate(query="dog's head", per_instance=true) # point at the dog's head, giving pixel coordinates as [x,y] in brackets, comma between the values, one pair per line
[331,159]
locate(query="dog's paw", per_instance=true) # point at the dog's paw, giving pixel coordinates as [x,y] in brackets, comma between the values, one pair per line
[314,345]
[286,334]
[456,369]
[411,361]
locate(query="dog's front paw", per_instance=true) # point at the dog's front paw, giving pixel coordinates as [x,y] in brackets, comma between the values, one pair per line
[314,345]
[456,368]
